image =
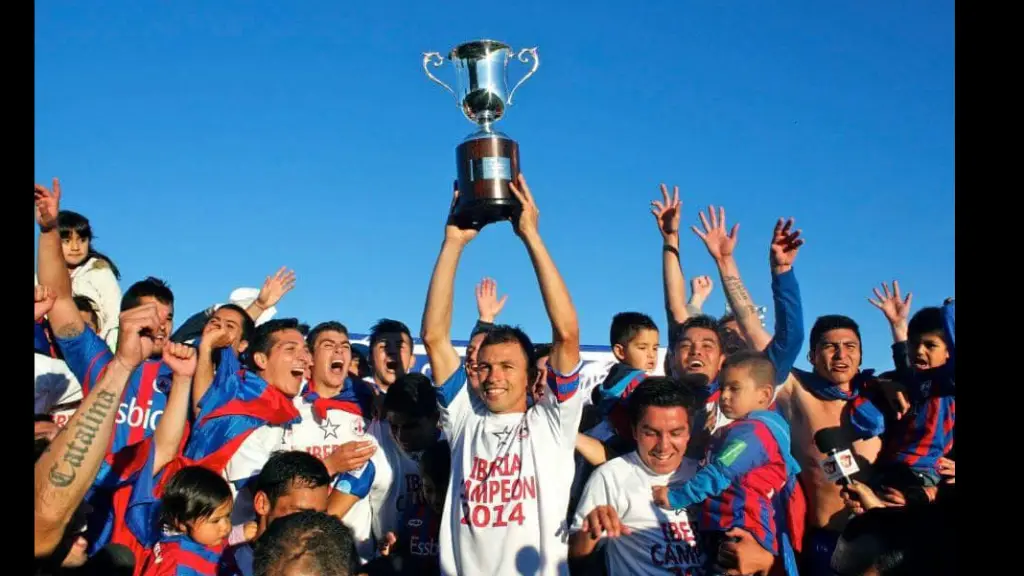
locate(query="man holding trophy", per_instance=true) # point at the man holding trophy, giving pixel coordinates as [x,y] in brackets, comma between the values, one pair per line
[512,465]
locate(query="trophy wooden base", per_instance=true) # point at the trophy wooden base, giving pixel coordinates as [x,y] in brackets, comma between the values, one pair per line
[487,163]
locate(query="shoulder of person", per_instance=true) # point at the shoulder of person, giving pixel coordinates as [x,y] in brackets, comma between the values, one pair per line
[99,264]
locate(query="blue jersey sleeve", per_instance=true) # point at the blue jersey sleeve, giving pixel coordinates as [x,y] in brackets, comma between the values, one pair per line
[789,325]
[741,451]
[225,385]
[357,482]
[86,355]
[452,386]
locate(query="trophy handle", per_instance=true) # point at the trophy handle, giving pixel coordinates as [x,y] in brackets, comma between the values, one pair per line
[521,57]
[436,60]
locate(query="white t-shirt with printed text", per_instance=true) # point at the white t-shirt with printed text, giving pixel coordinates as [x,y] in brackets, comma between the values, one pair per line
[321,438]
[662,541]
[404,489]
[511,475]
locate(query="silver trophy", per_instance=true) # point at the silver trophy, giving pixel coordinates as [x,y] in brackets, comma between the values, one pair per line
[487,160]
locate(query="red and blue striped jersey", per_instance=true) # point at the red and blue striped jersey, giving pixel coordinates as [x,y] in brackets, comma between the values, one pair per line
[179,555]
[748,466]
[144,398]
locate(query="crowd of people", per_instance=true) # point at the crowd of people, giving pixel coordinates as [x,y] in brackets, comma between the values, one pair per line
[246,444]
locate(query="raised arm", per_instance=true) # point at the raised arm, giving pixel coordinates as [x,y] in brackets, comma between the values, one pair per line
[214,338]
[721,246]
[68,468]
[274,288]
[181,358]
[666,214]
[785,344]
[436,326]
[52,271]
[565,330]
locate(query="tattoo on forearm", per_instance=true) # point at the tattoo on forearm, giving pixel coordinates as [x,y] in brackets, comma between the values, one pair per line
[740,300]
[69,330]
[64,470]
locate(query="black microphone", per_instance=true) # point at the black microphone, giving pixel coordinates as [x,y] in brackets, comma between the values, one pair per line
[839,464]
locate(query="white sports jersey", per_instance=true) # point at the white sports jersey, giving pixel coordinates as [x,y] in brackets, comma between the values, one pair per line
[404,490]
[247,462]
[511,473]
[662,541]
[348,421]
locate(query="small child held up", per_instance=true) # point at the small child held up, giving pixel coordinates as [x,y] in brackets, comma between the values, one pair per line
[749,469]
[194,519]
[923,352]
[634,341]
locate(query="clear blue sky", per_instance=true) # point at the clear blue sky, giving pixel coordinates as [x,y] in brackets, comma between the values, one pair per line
[212,142]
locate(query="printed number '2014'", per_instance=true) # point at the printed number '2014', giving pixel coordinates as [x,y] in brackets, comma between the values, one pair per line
[483,516]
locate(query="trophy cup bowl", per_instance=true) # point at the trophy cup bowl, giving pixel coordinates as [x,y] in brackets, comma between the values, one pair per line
[487,160]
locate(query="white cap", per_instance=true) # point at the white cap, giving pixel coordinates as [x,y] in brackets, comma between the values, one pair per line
[244,297]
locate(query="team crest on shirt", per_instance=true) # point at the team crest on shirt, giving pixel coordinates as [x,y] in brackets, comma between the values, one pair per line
[162,384]
[521,432]
[358,427]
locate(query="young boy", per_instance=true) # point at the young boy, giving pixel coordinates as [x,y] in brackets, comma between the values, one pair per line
[923,354]
[634,341]
[749,468]
[605,427]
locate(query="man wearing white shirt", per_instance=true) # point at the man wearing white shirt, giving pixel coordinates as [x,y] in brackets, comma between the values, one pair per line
[512,466]
[336,410]
[616,518]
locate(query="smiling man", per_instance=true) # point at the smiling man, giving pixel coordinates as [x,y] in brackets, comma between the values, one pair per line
[512,465]
[615,518]
[245,414]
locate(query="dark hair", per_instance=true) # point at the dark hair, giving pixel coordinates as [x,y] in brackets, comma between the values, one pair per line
[626,326]
[317,541]
[436,464]
[321,328]
[85,304]
[761,368]
[151,286]
[727,317]
[193,493]
[663,392]
[830,322]
[906,540]
[286,470]
[505,334]
[68,222]
[700,321]
[927,321]
[387,326]
[541,350]
[248,325]
[364,367]
[263,340]
[411,395]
